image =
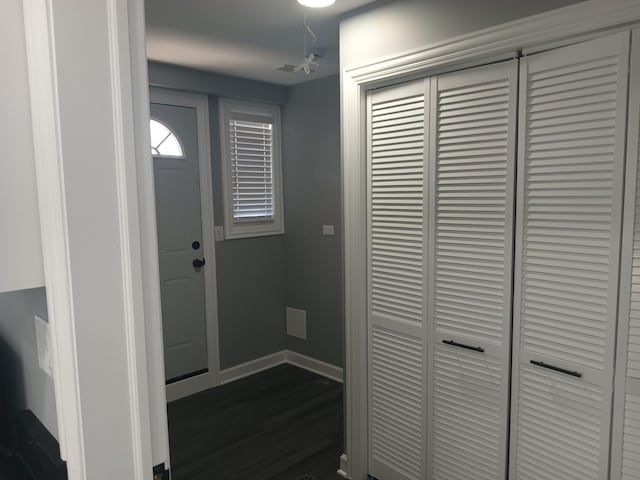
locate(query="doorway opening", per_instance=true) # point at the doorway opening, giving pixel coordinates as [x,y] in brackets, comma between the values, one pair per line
[246,164]
[279,415]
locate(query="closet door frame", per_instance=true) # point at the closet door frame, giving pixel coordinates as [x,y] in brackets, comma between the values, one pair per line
[622,383]
[558,27]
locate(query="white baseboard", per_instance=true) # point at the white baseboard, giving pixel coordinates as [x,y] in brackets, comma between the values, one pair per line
[343,466]
[284,356]
[315,366]
[254,366]
[190,386]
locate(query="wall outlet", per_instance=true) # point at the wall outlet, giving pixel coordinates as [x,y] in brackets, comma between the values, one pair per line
[328,230]
[43,340]
[219,233]
[297,323]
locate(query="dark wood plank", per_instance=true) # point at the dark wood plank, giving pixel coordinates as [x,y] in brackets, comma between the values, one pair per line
[276,425]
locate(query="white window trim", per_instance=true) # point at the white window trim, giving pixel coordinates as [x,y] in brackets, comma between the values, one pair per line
[260,228]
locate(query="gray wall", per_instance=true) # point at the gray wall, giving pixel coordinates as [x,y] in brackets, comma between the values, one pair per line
[215,84]
[391,27]
[250,272]
[19,353]
[311,152]
[258,277]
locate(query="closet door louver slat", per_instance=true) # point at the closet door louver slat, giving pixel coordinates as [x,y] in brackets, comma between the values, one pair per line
[396,285]
[625,462]
[571,158]
[631,438]
[473,160]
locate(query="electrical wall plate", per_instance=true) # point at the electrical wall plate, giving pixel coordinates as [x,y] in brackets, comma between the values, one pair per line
[328,230]
[43,340]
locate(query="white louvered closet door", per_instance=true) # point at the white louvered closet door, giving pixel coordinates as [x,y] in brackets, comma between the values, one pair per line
[625,461]
[473,145]
[570,179]
[397,281]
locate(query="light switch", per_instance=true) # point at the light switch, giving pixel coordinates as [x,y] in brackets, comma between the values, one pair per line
[43,340]
[219,233]
[328,230]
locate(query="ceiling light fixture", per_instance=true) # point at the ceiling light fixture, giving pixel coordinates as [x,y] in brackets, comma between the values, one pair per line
[316,3]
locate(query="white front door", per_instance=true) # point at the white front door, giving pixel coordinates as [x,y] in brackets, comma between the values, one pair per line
[174,140]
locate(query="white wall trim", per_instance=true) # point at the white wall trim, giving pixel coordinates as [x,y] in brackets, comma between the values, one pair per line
[55,239]
[130,248]
[278,358]
[200,103]
[237,109]
[624,385]
[190,386]
[562,26]
[148,237]
[253,366]
[77,312]
[316,366]
[559,25]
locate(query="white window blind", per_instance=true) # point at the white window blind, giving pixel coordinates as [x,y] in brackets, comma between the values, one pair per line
[251,145]
[251,168]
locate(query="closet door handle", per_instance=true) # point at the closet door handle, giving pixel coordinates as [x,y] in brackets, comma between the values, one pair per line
[556,369]
[462,345]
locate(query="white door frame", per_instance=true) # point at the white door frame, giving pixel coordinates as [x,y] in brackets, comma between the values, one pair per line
[90,117]
[553,28]
[197,383]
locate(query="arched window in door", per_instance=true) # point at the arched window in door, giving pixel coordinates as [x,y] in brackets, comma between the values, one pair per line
[164,143]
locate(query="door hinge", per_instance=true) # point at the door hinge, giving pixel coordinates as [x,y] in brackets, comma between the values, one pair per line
[161,473]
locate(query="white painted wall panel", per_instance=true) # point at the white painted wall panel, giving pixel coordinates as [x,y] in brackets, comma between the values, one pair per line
[20,245]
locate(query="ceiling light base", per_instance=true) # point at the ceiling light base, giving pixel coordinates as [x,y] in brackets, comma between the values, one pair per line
[316,3]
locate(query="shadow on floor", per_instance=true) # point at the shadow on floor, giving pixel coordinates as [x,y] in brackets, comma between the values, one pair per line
[276,425]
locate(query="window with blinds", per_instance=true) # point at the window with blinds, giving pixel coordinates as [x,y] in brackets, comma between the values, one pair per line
[251,145]
[251,167]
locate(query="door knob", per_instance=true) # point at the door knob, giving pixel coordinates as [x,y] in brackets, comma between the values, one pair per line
[199,263]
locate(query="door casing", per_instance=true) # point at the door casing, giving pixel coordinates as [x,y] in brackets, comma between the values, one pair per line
[211,378]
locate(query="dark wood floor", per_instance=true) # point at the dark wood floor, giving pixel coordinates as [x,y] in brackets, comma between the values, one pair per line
[276,425]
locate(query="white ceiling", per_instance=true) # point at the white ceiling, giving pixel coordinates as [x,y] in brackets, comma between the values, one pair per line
[245,38]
